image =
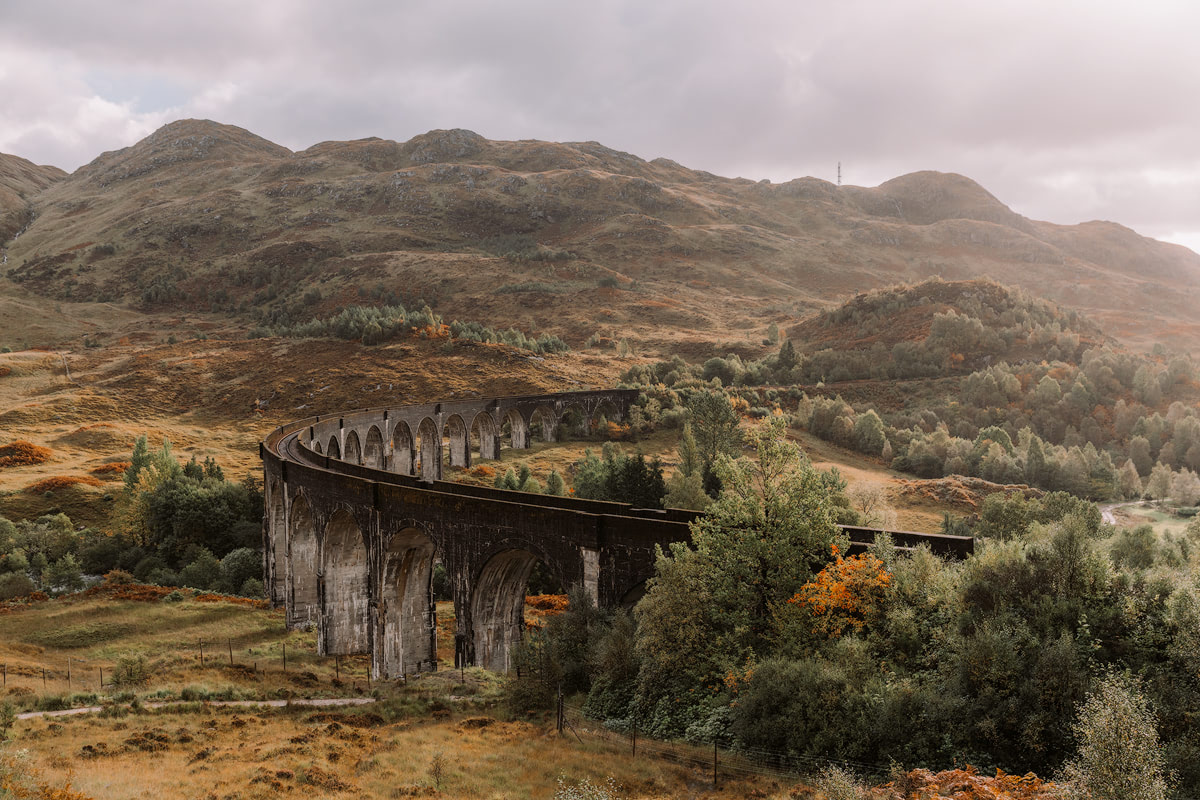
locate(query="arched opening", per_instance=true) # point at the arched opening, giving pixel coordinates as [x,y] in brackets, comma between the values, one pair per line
[543,424]
[498,606]
[373,450]
[334,450]
[406,611]
[606,412]
[457,442]
[278,536]
[574,422]
[429,449]
[353,452]
[302,561]
[633,595]
[403,455]
[514,428]
[346,601]
[485,440]
[316,447]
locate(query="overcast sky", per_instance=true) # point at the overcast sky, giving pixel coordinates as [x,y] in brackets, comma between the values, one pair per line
[1066,111]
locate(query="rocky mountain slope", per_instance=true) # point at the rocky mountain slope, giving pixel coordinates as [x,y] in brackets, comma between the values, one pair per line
[572,238]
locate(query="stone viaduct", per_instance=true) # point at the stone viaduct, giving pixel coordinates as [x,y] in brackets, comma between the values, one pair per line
[357,512]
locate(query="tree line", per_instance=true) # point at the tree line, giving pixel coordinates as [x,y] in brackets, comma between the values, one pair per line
[763,634]
[173,524]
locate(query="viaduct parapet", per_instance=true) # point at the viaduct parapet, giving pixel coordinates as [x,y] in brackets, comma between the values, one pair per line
[357,512]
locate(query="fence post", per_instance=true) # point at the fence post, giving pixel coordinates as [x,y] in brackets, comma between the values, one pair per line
[284,657]
[714,762]
[635,736]
[230,643]
[201,652]
[69,687]
[337,667]
[43,677]
[561,715]
[101,671]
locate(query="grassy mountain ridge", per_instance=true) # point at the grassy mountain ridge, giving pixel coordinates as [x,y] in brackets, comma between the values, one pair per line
[208,217]
[20,180]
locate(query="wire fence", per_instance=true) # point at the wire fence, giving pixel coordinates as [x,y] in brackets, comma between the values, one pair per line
[83,675]
[718,759]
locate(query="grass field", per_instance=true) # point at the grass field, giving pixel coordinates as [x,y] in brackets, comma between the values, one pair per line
[384,750]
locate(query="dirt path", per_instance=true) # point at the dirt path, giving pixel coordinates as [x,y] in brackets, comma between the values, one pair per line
[1106,511]
[330,701]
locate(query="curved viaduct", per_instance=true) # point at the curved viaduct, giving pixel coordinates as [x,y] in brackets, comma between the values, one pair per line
[357,511]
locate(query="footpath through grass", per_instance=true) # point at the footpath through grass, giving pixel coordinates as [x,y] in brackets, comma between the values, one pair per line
[445,734]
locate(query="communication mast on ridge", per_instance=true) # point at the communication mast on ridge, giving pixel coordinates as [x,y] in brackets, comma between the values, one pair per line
[839,173]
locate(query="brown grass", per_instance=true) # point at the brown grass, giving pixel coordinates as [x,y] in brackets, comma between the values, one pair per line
[22,453]
[56,482]
[113,468]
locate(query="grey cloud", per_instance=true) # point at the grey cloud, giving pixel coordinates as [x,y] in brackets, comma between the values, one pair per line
[1059,109]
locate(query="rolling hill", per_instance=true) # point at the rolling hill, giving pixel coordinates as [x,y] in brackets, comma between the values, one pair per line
[571,238]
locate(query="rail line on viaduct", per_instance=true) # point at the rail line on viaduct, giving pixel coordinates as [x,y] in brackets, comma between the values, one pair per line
[357,512]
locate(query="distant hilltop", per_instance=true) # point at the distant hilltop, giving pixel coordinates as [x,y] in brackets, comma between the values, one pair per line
[575,236]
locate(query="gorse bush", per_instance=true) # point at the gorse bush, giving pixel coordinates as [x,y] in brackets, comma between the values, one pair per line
[377,324]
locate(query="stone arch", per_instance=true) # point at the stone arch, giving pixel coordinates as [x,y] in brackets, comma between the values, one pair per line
[574,420]
[605,411]
[303,562]
[353,450]
[278,532]
[404,456]
[429,449]
[316,447]
[516,428]
[498,607]
[543,423]
[334,450]
[485,439]
[459,441]
[407,619]
[373,455]
[632,595]
[345,580]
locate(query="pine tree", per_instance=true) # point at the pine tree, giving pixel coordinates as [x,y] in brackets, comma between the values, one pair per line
[1035,463]
[510,481]
[689,453]
[555,485]
[139,460]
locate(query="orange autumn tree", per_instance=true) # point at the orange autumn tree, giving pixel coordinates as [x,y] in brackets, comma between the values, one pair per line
[844,595]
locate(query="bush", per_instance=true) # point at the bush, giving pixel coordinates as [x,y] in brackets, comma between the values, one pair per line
[253,587]
[15,584]
[240,566]
[586,790]
[130,671]
[1119,754]
[840,784]
[203,573]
